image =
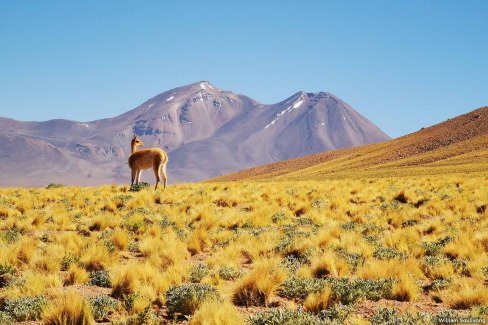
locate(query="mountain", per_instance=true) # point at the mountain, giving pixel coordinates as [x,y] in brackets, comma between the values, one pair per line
[206,131]
[458,145]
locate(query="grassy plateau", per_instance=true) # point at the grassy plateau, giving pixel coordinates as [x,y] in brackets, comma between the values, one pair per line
[410,250]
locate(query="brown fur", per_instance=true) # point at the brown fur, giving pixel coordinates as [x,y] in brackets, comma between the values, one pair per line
[154,158]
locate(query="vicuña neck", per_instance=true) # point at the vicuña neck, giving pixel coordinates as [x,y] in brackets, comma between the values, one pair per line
[133,147]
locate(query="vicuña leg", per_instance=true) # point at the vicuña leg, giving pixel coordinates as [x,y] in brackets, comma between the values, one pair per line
[132,177]
[157,173]
[139,172]
[165,177]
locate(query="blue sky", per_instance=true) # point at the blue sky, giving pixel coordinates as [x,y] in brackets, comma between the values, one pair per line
[403,64]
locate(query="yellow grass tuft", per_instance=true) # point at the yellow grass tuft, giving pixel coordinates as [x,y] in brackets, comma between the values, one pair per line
[258,287]
[96,257]
[76,274]
[317,301]
[406,289]
[213,312]
[465,293]
[120,238]
[70,309]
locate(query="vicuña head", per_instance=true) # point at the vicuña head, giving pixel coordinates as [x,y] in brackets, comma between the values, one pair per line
[154,158]
[136,142]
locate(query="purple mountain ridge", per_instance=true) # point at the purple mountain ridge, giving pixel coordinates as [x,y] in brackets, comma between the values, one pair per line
[206,131]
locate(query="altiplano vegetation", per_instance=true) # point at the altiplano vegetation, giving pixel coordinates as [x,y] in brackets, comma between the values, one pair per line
[349,251]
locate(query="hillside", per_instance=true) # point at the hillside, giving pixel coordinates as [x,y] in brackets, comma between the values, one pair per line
[456,145]
[207,132]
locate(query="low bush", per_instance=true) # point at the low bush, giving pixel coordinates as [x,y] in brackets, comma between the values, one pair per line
[276,316]
[351,291]
[54,185]
[300,288]
[145,317]
[387,316]
[228,273]
[198,272]
[386,253]
[337,313]
[6,319]
[186,298]
[26,308]
[139,187]
[100,279]
[102,306]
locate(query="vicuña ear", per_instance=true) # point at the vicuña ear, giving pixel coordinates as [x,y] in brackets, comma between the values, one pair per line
[135,136]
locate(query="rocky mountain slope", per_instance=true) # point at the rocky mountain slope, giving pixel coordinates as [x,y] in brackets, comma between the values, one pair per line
[207,132]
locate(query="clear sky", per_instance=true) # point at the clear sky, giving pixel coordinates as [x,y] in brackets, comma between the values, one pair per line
[403,64]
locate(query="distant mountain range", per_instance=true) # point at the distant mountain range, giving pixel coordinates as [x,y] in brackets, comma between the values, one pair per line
[458,145]
[207,132]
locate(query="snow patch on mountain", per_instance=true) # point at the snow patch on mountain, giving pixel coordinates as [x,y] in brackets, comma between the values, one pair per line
[298,103]
[170,98]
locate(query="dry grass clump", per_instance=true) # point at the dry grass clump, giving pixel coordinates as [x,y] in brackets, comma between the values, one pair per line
[120,238]
[464,293]
[96,258]
[258,287]
[317,301]
[214,312]
[405,289]
[75,275]
[69,309]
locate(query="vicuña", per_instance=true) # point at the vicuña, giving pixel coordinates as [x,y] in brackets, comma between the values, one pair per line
[154,158]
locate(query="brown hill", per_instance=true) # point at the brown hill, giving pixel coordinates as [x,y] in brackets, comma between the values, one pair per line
[456,145]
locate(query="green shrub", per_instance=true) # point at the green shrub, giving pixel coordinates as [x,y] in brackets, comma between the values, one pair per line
[433,248]
[10,236]
[26,308]
[145,317]
[351,291]
[228,273]
[101,306]
[100,279]
[67,260]
[133,247]
[292,263]
[7,269]
[439,284]
[110,246]
[54,185]
[186,298]
[139,187]
[165,222]
[351,225]
[337,313]
[297,287]
[278,216]
[387,316]
[386,253]
[6,319]
[485,271]
[198,272]
[129,299]
[409,223]
[343,290]
[277,316]
[353,259]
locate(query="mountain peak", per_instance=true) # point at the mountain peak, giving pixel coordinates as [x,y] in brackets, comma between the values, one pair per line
[199,125]
[202,85]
